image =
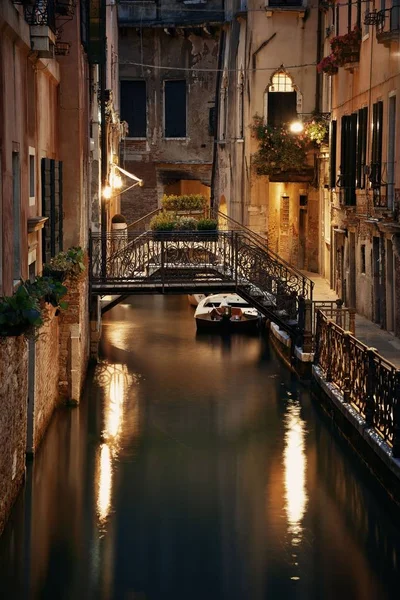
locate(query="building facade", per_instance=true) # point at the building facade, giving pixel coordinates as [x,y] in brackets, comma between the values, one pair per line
[168,60]
[360,233]
[268,78]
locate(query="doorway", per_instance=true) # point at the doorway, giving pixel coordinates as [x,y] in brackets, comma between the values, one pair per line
[352,271]
[302,237]
[376,274]
[390,287]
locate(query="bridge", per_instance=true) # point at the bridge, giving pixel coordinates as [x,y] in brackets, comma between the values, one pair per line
[140,261]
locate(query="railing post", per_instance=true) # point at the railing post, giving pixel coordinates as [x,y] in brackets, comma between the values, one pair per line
[307,334]
[317,334]
[346,358]
[103,255]
[236,246]
[352,320]
[330,357]
[339,304]
[370,403]
[396,417]
[162,264]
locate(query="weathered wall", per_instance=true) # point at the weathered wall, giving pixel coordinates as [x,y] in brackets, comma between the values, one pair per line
[74,339]
[13,420]
[45,391]
[157,160]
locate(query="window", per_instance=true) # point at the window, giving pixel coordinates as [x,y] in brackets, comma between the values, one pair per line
[32,178]
[376,151]
[362,132]
[391,151]
[362,258]
[134,107]
[348,145]
[16,173]
[175,108]
[365,30]
[337,32]
[240,107]
[52,207]
[358,18]
[349,10]
[332,154]
[281,105]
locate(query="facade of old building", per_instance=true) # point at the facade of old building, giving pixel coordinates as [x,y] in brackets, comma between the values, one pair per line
[59,139]
[361,198]
[168,59]
[268,74]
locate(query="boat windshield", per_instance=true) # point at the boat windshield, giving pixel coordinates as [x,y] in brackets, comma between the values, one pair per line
[232,304]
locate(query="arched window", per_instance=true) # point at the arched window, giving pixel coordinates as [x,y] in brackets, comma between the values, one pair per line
[282,101]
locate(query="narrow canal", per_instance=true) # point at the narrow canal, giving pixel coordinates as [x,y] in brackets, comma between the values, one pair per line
[196,468]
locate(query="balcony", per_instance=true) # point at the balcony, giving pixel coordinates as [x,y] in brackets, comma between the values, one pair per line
[388,26]
[41,16]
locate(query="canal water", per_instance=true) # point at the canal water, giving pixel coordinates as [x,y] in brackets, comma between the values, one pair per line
[196,468]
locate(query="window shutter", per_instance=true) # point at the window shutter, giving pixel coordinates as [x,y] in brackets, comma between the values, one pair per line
[52,207]
[175,108]
[332,154]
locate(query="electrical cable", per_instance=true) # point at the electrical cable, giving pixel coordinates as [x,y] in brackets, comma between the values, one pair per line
[195,69]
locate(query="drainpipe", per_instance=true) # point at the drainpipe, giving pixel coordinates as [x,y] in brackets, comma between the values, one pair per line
[216,119]
[103,139]
[318,79]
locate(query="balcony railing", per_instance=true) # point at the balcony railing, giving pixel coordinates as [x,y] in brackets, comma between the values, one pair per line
[388,25]
[41,13]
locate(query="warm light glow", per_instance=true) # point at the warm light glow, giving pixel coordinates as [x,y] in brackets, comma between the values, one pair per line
[296,127]
[104,483]
[114,407]
[117,182]
[107,192]
[295,471]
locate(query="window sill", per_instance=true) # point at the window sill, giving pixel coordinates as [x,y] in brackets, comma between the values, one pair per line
[294,9]
[32,200]
[175,139]
[365,37]
[136,139]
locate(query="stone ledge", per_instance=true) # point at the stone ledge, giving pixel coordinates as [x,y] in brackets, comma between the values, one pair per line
[282,336]
[303,356]
[374,441]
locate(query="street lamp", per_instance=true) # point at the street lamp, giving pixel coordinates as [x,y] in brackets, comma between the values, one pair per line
[296,127]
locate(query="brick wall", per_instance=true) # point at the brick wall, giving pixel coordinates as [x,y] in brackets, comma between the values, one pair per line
[74,339]
[47,370]
[13,420]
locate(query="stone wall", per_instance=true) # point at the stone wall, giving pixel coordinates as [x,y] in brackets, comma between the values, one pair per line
[74,338]
[13,401]
[43,393]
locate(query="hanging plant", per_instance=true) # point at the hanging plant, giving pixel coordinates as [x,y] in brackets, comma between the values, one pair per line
[279,150]
[328,65]
[316,131]
[346,48]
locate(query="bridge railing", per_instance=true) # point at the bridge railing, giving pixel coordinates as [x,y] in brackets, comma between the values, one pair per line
[369,382]
[131,258]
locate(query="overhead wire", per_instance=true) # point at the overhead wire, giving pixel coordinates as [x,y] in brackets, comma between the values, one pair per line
[195,69]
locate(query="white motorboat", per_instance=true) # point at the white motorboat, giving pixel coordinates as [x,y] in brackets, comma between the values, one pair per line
[226,312]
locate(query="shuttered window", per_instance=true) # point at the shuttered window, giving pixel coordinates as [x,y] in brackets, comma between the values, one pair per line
[134,107]
[362,132]
[282,108]
[175,108]
[332,154]
[348,147]
[376,154]
[52,207]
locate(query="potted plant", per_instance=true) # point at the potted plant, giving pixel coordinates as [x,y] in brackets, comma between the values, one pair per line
[328,65]
[208,227]
[69,263]
[186,203]
[162,224]
[19,314]
[48,290]
[346,48]
[316,131]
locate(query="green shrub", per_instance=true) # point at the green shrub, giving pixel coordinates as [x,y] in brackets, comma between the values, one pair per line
[164,221]
[49,290]
[20,313]
[207,224]
[186,224]
[71,262]
[185,202]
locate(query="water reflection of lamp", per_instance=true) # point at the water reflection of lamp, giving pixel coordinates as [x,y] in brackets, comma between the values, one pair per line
[104,483]
[295,471]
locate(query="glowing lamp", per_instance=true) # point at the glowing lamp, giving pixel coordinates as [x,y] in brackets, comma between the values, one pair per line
[296,127]
[117,182]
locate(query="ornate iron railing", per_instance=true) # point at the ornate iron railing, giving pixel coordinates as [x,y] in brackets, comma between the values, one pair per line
[139,260]
[41,12]
[370,383]
[334,309]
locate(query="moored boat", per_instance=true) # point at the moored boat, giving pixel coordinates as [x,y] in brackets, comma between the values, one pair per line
[194,299]
[226,312]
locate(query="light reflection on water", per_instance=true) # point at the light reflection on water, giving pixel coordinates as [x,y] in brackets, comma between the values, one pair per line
[295,462]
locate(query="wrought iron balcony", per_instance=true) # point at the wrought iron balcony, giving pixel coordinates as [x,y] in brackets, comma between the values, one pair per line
[388,25]
[41,13]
